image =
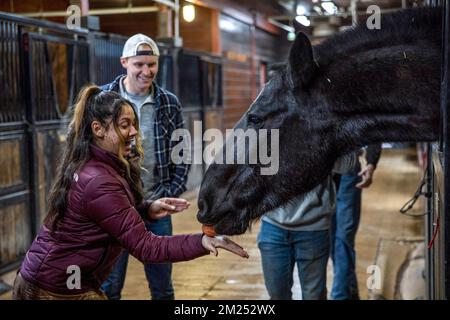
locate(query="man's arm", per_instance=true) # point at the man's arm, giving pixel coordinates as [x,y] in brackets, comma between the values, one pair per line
[373,153]
[177,172]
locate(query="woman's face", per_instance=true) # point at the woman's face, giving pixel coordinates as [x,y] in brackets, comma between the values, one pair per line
[126,125]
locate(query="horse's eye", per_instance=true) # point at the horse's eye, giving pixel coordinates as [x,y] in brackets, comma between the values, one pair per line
[254,119]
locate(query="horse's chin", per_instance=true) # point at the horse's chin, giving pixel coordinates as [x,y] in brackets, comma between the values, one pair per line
[230,229]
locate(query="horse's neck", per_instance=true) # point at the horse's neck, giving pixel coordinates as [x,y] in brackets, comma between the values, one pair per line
[362,130]
[398,102]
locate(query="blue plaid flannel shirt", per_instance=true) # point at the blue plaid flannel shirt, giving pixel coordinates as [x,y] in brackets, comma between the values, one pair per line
[172,178]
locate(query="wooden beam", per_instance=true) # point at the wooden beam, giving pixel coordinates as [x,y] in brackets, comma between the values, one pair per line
[84,7]
[240,13]
[253,58]
[216,45]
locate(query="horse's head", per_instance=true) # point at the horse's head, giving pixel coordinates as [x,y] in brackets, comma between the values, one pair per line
[232,195]
[362,86]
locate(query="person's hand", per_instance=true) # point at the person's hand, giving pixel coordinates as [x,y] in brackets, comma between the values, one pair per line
[223,242]
[166,206]
[366,175]
[362,153]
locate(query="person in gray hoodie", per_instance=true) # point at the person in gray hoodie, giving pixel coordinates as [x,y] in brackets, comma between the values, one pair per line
[298,233]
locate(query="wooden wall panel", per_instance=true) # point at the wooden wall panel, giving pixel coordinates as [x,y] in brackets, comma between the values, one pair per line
[197,35]
[235,36]
[238,79]
[27,6]
[10,163]
[59,60]
[270,48]
[237,91]
[237,88]
[15,232]
[16,6]
[49,144]
[130,24]
[42,179]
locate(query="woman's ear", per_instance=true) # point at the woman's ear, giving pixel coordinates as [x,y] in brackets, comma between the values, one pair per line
[97,129]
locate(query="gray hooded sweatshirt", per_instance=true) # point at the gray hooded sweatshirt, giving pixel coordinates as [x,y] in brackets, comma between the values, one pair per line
[312,211]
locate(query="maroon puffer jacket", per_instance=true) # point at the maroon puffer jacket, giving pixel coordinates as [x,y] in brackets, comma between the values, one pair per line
[100,220]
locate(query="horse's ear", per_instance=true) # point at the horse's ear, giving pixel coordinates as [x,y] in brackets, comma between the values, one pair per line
[301,61]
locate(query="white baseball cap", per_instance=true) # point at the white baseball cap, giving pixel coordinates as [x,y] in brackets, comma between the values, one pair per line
[130,49]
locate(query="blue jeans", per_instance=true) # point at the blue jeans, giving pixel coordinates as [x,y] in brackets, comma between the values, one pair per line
[281,249]
[159,276]
[343,232]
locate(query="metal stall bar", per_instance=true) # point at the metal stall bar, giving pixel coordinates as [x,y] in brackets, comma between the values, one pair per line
[445,112]
[438,218]
[25,21]
[105,52]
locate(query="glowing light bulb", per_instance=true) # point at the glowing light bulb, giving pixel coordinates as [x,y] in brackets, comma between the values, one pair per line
[303,20]
[189,13]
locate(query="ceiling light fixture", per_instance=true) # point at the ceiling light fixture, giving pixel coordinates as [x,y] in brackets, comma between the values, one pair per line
[301,10]
[329,7]
[189,13]
[303,20]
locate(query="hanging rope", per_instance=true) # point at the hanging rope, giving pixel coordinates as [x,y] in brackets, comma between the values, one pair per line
[410,203]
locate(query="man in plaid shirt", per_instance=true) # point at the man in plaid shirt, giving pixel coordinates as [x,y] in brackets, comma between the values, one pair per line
[160,114]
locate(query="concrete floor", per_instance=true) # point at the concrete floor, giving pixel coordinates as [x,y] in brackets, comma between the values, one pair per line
[230,277]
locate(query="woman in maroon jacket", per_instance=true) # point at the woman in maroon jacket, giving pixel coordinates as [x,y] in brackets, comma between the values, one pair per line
[92,212]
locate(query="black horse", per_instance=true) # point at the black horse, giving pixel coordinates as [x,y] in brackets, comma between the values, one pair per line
[357,88]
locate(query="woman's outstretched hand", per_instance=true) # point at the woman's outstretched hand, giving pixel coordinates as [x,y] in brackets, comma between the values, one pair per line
[166,206]
[223,242]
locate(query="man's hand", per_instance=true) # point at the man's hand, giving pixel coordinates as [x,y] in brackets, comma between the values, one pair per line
[366,175]
[223,242]
[166,206]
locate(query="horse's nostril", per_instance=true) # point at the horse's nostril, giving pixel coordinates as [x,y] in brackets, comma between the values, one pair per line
[201,215]
[201,204]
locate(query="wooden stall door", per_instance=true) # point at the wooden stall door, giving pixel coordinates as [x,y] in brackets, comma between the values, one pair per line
[15,221]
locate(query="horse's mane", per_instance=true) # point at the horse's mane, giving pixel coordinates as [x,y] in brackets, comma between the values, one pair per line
[402,27]
[275,68]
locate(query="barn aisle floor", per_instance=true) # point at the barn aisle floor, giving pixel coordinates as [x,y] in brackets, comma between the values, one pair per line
[230,277]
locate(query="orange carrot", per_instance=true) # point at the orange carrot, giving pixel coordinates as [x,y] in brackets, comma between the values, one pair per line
[209,230]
